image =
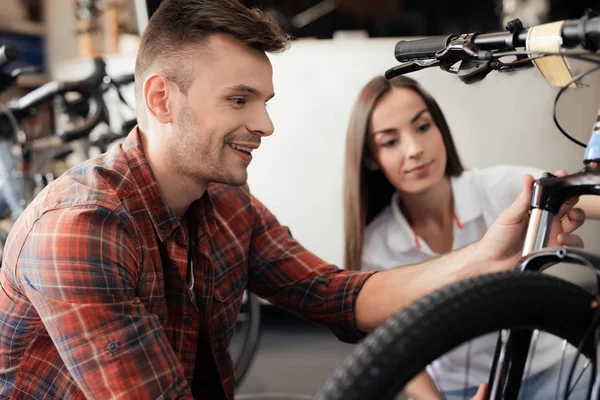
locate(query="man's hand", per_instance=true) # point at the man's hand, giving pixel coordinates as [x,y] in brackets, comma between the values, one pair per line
[502,244]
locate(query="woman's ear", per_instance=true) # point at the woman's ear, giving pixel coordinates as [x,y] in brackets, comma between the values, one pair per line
[370,163]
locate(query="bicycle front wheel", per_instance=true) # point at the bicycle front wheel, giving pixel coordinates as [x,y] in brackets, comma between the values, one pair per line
[409,341]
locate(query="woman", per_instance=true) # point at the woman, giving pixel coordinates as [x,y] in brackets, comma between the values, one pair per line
[408,198]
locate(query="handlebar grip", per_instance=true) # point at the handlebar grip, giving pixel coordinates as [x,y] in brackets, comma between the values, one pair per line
[94,117]
[420,49]
[7,55]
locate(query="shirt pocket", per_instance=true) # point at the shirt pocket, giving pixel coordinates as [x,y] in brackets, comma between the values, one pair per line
[231,285]
[228,295]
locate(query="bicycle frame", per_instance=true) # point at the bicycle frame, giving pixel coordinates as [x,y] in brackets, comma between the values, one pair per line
[549,194]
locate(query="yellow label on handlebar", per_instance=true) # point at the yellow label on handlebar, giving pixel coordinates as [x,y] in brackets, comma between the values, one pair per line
[547,38]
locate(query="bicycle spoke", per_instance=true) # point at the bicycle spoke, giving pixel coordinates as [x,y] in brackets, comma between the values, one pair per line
[467,367]
[560,371]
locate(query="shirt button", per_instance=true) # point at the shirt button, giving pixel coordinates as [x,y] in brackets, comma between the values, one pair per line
[162,320]
[174,266]
[113,346]
[188,319]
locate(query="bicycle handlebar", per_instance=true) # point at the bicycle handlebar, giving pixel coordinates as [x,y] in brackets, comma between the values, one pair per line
[585,32]
[47,91]
[92,119]
[421,49]
[123,79]
[87,87]
[8,54]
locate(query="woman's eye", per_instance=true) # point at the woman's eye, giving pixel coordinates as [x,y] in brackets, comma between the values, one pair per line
[424,127]
[389,143]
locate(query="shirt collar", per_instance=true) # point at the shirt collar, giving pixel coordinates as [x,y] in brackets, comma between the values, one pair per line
[400,236]
[467,202]
[163,219]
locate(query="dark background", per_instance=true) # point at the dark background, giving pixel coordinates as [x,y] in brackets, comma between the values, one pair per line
[385,18]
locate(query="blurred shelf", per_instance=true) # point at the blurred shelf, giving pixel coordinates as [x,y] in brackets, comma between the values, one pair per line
[23,27]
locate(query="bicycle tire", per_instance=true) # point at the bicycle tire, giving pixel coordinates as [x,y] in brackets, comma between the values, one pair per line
[407,342]
[243,361]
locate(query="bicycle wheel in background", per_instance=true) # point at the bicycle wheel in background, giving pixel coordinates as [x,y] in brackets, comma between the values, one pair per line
[404,345]
[3,237]
[246,337]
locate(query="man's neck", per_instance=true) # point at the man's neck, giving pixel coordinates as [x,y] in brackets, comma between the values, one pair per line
[178,191]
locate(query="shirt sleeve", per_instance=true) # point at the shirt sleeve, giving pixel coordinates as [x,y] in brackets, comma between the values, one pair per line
[79,268]
[288,275]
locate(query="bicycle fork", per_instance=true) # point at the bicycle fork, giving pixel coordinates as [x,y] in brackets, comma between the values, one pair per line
[512,348]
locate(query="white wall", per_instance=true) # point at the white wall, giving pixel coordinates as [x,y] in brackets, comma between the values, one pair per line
[297,172]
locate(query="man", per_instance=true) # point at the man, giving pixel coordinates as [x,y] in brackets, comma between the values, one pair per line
[124,278]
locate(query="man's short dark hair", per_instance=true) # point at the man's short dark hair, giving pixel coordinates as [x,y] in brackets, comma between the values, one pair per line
[177,23]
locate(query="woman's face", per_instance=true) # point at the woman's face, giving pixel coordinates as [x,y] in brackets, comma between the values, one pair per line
[405,143]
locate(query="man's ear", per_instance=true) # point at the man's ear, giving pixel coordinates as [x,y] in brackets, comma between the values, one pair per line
[370,163]
[156,96]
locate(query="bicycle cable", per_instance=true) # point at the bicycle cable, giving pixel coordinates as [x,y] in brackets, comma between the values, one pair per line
[579,55]
[559,94]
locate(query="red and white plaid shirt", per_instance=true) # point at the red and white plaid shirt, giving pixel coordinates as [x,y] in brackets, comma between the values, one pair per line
[94,301]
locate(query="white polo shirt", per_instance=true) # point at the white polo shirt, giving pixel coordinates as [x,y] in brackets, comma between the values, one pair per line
[480,195]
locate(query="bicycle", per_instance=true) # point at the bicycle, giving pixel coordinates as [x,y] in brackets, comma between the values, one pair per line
[23,176]
[79,118]
[516,304]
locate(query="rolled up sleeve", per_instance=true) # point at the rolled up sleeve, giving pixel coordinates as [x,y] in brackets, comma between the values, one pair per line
[288,275]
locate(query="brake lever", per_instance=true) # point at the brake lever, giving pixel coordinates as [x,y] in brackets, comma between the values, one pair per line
[408,67]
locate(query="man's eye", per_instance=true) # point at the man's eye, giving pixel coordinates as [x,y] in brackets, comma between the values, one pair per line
[240,101]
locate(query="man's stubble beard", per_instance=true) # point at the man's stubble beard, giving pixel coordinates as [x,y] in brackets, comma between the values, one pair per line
[199,165]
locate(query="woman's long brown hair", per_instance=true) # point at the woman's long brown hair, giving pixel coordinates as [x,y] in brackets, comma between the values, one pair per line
[368,192]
